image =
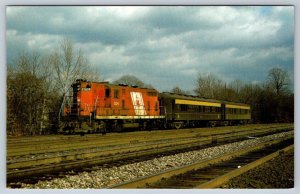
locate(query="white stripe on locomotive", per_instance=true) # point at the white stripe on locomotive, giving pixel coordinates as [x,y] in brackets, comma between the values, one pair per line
[138,103]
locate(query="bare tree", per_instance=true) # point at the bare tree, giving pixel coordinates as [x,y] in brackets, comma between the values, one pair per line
[236,85]
[208,86]
[178,90]
[270,102]
[131,80]
[70,64]
[26,92]
[278,80]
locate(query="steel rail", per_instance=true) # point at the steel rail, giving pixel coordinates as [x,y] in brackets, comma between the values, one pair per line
[70,165]
[226,177]
[28,141]
[187,142]
[13,175]
[102,142]
[142,182]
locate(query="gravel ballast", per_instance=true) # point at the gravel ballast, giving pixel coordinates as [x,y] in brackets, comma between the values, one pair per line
[277,173]
[105,177]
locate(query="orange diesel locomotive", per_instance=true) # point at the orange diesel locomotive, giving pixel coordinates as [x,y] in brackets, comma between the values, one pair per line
[103,107]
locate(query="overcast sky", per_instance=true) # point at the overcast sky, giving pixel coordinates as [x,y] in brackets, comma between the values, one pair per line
[163,46]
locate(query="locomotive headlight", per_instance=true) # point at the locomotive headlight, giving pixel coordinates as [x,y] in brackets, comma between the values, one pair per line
[78,99]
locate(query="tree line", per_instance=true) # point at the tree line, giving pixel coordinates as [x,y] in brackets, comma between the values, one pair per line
[38,86]
[271,101]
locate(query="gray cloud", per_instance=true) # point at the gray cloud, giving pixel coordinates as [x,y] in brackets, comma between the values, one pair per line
[165,46]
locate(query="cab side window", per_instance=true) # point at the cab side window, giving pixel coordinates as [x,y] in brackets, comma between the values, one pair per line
[116,94]
[107,93]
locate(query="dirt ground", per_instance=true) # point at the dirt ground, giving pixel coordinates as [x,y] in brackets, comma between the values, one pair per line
[277,173]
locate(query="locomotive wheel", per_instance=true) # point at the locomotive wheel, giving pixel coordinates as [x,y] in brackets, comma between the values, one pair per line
[117,127]
[212,124]
[144,126]
[178,125]
[226,123]
[165,125]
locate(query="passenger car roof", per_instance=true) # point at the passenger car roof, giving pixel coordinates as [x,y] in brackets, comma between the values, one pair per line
[197,98]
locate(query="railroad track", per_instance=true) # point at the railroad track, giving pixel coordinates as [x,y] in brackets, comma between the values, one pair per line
[39,145]
[85,144]
[32,174]
[133,146]
[112,173]
[214,172]
[63,163]
[138,151]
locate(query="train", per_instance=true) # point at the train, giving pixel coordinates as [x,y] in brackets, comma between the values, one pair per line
[101,107]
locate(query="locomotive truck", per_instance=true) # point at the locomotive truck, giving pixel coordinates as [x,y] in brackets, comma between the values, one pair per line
[103,107]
